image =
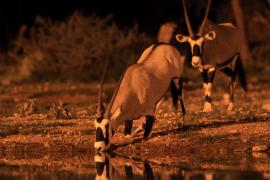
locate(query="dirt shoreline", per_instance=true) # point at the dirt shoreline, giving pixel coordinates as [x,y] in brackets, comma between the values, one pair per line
[216,140]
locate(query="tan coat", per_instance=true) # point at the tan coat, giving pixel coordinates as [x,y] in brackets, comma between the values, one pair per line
[145,83]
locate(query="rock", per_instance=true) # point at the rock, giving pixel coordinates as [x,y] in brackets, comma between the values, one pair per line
[260,148]
[266,106]
[165,115]
[259,155]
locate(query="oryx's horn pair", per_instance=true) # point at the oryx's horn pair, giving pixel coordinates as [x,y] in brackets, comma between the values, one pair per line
[191,33]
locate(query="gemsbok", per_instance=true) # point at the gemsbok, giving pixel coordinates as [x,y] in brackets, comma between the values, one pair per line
[138,92]
[215,47]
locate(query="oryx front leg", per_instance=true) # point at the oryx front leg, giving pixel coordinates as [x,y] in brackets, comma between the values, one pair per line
[208,78]
[128,127]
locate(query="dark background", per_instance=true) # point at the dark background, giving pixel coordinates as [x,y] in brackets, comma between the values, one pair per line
[149,14]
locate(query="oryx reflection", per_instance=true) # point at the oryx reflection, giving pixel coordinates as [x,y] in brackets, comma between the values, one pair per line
[117,167]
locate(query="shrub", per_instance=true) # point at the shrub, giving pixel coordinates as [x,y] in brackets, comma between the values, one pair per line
[76,48]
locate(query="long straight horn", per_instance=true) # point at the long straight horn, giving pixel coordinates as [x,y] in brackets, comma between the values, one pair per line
[115,93]
[205,18]
[100,108]
[187,19]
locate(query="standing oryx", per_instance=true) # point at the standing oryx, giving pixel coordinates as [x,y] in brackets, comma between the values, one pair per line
[215,47]
[138,92]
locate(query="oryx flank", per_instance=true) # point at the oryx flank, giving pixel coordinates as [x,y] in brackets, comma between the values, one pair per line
[215,47]
[138,92]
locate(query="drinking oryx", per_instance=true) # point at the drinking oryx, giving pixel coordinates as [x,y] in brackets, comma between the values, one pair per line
[215,47]
[138,92]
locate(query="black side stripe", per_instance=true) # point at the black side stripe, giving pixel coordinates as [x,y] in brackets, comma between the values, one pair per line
[225,63]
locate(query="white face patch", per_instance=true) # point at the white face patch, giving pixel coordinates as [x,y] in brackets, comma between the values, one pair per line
[196,42]
[102,125]
[99,145]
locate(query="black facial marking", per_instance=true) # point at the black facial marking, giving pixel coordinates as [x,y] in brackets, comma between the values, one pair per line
[196,50]
[99,119]
[195,37]
[100,167]
[99,135]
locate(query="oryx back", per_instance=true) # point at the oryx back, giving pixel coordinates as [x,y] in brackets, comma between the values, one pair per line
[226,44]
[145,83]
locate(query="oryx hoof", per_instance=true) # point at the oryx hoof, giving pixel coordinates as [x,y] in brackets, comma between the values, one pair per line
[183,120]
[207,107]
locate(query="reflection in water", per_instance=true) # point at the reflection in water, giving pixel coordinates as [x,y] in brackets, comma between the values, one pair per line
[105,167]
[108,167]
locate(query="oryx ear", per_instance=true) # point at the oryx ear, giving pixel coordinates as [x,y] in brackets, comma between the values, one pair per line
[181,38]
[210,35]
[117,113]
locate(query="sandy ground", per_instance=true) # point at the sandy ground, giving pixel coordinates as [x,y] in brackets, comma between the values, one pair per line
[218,140]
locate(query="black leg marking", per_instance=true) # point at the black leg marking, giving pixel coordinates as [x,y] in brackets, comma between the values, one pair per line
[148,172]
[181,96]
[149,124]
[208,78]
[128,171]
[128,127]
[205,76]
[208,99]
[174,92]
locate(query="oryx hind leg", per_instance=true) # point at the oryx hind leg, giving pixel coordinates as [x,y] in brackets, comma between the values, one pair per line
[208,78]
[148,127]
[231,86]
[181,100]
[181,96]
[230,72]
[177,93]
